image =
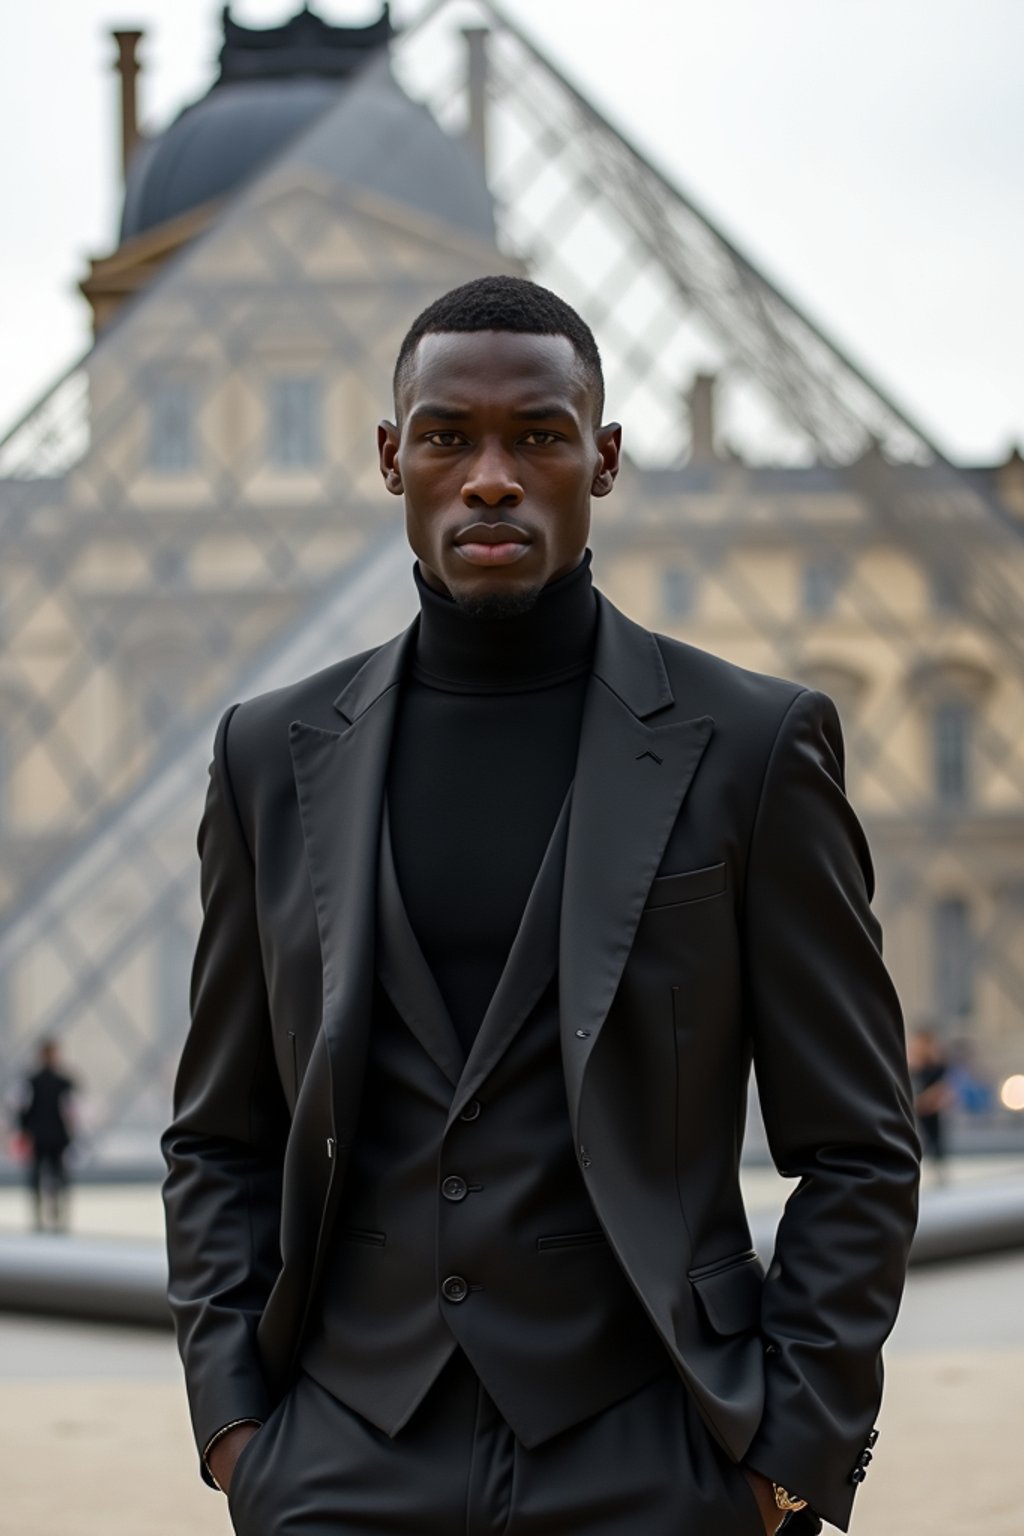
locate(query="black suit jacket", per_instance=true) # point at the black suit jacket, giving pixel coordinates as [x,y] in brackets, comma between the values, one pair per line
[715,910]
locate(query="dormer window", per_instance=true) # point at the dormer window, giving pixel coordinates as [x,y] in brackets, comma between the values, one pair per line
[172,448]
[295,410]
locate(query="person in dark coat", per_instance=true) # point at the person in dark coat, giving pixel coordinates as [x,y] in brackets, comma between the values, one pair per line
[496,918]
[933,1095]
[46,1124]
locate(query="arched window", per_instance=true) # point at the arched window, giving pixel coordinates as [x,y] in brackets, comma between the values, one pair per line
[950,693]
[952,733]
[953,958]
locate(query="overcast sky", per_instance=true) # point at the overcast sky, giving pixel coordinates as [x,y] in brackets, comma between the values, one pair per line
[867,154]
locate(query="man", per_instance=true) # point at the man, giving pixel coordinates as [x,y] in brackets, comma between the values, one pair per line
[933,1095]
[45,1122]
[496,917]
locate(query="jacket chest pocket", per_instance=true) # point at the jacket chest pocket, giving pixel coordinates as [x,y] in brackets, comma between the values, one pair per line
[688,886]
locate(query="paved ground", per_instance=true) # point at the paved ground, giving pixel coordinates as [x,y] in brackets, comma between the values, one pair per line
[96,1443]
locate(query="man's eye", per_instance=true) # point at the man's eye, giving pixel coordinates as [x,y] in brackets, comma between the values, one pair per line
[540,438]
[443,439]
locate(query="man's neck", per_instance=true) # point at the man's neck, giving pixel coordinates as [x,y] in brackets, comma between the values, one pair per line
[507,652]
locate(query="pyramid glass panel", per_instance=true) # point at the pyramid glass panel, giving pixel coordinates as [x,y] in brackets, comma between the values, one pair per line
[194,513]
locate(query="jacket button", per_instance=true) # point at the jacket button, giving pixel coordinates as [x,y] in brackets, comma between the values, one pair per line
[872,1438]
[858,1475]
[864,1458]
[454,1188]
[583,1034]
[471,1111]
[454,1288]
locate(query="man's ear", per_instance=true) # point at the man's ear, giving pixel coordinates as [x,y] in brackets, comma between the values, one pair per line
[388,439]
[609,447]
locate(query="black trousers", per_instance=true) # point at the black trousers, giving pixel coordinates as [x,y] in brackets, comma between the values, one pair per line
[644,1467]
[48,1181]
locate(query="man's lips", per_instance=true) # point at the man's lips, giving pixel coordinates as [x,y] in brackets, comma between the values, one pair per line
[492,543]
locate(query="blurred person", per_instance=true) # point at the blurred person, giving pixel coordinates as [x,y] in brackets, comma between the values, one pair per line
[46,1123]
[496,917]
[933,1095]
[972,1093]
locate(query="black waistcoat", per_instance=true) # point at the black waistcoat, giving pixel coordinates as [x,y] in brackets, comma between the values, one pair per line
[465,1221]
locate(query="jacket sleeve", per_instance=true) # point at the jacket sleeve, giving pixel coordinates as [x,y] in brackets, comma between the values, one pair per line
[831,1070]
[225,1146]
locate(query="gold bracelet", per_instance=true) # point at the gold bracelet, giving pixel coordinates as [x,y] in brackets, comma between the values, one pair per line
[786,1501]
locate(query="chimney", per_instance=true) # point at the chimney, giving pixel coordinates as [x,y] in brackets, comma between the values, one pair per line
[476,86]
[128,67]
[1009,481]
[701,401]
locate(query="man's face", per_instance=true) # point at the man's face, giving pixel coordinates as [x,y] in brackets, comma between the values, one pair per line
[497,457]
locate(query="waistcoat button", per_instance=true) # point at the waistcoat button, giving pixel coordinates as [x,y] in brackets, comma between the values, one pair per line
[454,1188]
[454,1288]
[471,1111]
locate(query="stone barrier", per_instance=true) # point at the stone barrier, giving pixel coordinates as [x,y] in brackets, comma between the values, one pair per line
[125,1282]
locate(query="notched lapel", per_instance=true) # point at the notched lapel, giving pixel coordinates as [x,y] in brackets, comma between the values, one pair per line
[529,967]
[339,780]
[404,972]
[631,780]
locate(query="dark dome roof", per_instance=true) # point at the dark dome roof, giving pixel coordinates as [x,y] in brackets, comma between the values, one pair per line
[217,144]
[378,139]
[274,85]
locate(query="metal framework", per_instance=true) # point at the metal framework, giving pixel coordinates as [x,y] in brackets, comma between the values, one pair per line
[135,604]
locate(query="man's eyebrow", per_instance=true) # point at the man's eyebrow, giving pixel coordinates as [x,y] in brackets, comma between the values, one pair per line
[437,412]
[440,412]
[541,412]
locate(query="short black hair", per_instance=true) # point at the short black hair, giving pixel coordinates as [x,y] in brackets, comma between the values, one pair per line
[502,303]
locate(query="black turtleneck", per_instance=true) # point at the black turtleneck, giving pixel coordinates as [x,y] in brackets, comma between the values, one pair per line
[483,755]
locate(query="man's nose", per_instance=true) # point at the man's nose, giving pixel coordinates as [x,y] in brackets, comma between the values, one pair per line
[492,480]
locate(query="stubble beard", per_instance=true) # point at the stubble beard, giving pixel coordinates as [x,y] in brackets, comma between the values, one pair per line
[497,605]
